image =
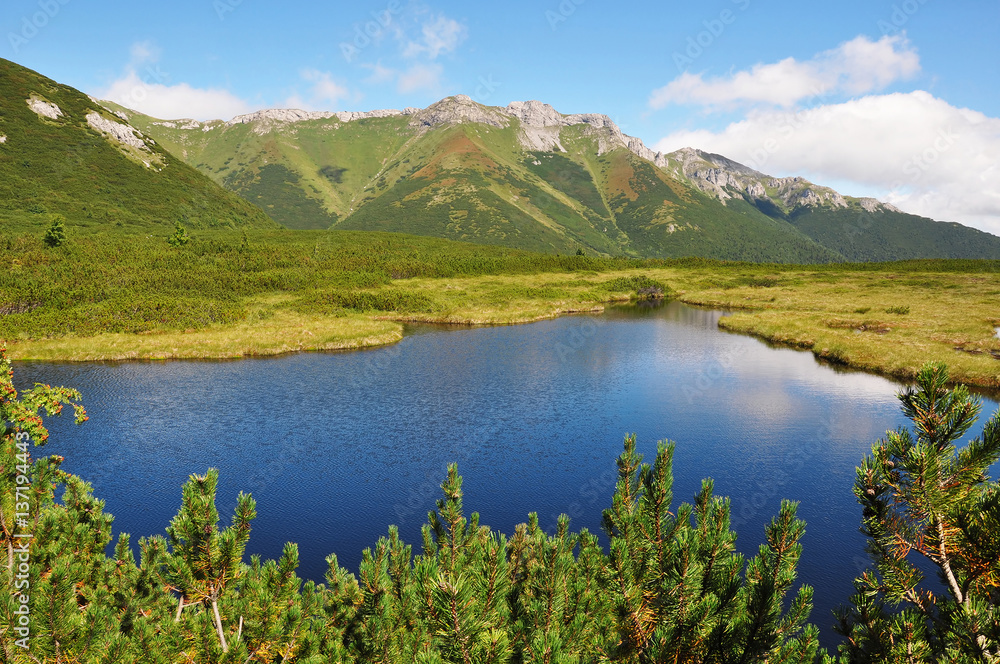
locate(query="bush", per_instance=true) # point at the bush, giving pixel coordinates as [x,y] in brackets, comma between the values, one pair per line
[902,310]
[56,233]
[643,287]
[760,282]
[384,299]
[180,236]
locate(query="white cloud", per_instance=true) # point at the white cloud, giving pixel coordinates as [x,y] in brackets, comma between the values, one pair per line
[172,101]
[918,152]
[420,77]
[144,51]
[379,74]
[144,87]
[324,93]
[438,35]
[855,67]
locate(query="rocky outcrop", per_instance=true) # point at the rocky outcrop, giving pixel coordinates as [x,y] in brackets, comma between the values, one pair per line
[540,124]
[44,108]
[186,123]
[875,205]
[272,118]
[350,116]
[279,115]
[726,179]
[456,110]
[123,133]
[266,120]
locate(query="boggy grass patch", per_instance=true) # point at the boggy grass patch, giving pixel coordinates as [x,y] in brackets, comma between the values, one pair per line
[282,332]
[641,287]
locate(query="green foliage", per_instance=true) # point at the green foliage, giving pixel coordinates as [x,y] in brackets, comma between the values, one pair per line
[384,299]
[900,310]
[924,497]
[640,286]
[278,191]
[676,585]
[55,235]
[115,281]
[761,282]
[861,236]
[179,237]
[204,561]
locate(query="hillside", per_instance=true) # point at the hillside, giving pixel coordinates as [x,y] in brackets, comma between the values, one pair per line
[524,176]
[527,176]
[61,153]
[860,229]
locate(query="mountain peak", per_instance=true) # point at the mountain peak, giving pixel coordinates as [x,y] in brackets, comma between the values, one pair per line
[456,110]
[535,113]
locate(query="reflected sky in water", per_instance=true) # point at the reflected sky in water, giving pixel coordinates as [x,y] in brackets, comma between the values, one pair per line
[336,446]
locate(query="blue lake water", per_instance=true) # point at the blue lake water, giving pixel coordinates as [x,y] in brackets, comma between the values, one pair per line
[337,446]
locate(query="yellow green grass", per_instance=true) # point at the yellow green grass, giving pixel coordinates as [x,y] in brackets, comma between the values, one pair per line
[838,314]
[880,321]
[282,332]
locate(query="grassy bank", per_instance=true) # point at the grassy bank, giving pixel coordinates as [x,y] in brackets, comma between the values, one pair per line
[106,296]
[888,318]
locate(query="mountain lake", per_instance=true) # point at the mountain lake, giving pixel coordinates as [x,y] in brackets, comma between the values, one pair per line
[336,446]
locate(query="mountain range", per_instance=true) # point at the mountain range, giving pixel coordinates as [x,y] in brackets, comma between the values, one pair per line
[523,175]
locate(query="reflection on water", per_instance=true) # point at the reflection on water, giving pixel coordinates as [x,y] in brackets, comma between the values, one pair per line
[337,446]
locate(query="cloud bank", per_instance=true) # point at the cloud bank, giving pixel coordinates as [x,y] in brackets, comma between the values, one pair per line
[913,149]
[926,156]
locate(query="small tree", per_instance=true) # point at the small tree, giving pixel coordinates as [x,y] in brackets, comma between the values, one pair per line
[675,580]
[922,495]
[29,533]
[205,561]
[180,236]
[56,233]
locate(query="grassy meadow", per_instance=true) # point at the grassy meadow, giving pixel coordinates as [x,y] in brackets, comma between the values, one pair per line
[112,295]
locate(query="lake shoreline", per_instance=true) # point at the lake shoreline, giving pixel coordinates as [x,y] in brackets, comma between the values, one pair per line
[926,316]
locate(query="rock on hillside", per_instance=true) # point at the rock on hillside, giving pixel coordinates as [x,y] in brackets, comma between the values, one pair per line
[726,179]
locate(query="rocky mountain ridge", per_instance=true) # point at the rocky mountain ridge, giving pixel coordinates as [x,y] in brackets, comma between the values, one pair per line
[525,175]
[726,179]
[539,127]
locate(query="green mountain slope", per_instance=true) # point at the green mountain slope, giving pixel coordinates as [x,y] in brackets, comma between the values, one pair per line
[62,153]
[861,236]
[461,171]
[859,229]
[526,176]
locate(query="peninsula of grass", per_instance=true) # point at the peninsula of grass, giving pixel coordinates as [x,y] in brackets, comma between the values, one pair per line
[114,295]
